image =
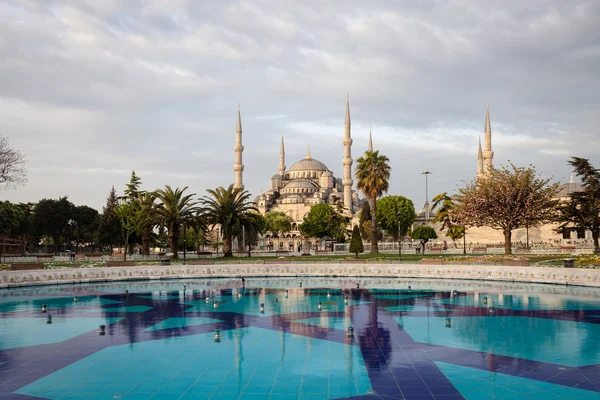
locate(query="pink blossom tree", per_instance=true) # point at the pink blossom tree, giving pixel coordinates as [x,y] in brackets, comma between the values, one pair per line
[506,198]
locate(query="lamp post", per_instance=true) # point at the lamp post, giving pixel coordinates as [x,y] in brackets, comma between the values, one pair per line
[426,173]
[399,215]
[218,237]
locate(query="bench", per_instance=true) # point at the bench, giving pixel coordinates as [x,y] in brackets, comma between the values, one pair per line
[205,261]
[26,266]
[479,249]
[322,251]
[567,247]
[434,250]
[119,263]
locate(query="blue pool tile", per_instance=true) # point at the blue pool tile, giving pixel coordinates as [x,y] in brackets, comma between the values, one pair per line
[22,332]
[172,323]
[507,335]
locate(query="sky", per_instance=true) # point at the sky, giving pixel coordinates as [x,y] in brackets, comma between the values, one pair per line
[91,90]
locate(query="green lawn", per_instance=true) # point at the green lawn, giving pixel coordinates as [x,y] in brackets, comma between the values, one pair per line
[589,261]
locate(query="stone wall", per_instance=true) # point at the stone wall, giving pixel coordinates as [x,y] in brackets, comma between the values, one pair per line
[562,276]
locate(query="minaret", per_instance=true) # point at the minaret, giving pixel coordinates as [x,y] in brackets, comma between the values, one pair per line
[370,140]
[281,158]
[238,167]
[479,160]
[347,161]
[488,154]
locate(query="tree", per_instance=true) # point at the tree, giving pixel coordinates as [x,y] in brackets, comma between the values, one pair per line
[109,228]
[85,227]
[372,175]
[277,222]
[132,220]
[147,206]
[322,220]
[132,188]
[423,234]
[12,166]
[365,217]
[356,244]
[388,208]
[54,218]
[10,217]
[507,198]
[581,210]
[174,209]
[26,230]
[231,209]
[444,204]
[248,230]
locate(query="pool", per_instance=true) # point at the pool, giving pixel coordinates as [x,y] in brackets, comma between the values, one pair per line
[299,338]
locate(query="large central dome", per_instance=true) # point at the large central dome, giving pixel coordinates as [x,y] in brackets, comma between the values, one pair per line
[308,164]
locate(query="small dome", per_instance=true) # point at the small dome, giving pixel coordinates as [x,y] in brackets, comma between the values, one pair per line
[308,164]
[276,176]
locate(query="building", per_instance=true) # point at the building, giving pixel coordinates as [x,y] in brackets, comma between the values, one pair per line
[306,183]
[484,236]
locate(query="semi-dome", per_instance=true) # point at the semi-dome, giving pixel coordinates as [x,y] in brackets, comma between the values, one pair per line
[300,184]
[308,164]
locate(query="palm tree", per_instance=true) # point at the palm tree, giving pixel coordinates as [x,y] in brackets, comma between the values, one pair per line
[174,209]
[231,209]
[372,178]
[147,205]
[443,204]
[249,229]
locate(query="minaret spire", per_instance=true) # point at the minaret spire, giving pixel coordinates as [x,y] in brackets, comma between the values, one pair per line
[238,167]
[281,158]
[488,154]
[347,161]
[479,160]
[370,140]
[308,153]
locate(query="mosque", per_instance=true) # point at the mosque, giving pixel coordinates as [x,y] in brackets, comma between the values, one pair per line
[486,236]
[306,183]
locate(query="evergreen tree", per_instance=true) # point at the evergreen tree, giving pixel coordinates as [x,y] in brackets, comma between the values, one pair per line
[132,188]
[356,244]
[580,211]
[109,229]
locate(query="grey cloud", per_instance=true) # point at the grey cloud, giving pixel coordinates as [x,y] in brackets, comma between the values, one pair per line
[91,89]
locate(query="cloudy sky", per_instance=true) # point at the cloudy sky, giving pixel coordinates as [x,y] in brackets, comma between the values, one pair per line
[90,90]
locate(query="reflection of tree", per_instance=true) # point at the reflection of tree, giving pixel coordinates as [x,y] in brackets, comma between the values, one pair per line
[375,338]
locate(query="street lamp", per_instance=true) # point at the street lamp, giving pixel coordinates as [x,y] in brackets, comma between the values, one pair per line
[426,173]
[184,241]
[399,215]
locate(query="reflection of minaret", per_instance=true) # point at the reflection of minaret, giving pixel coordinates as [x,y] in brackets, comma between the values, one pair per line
[488,154]
[238,167]
[347,161]
[370,148]
[281,158]
[479,161]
